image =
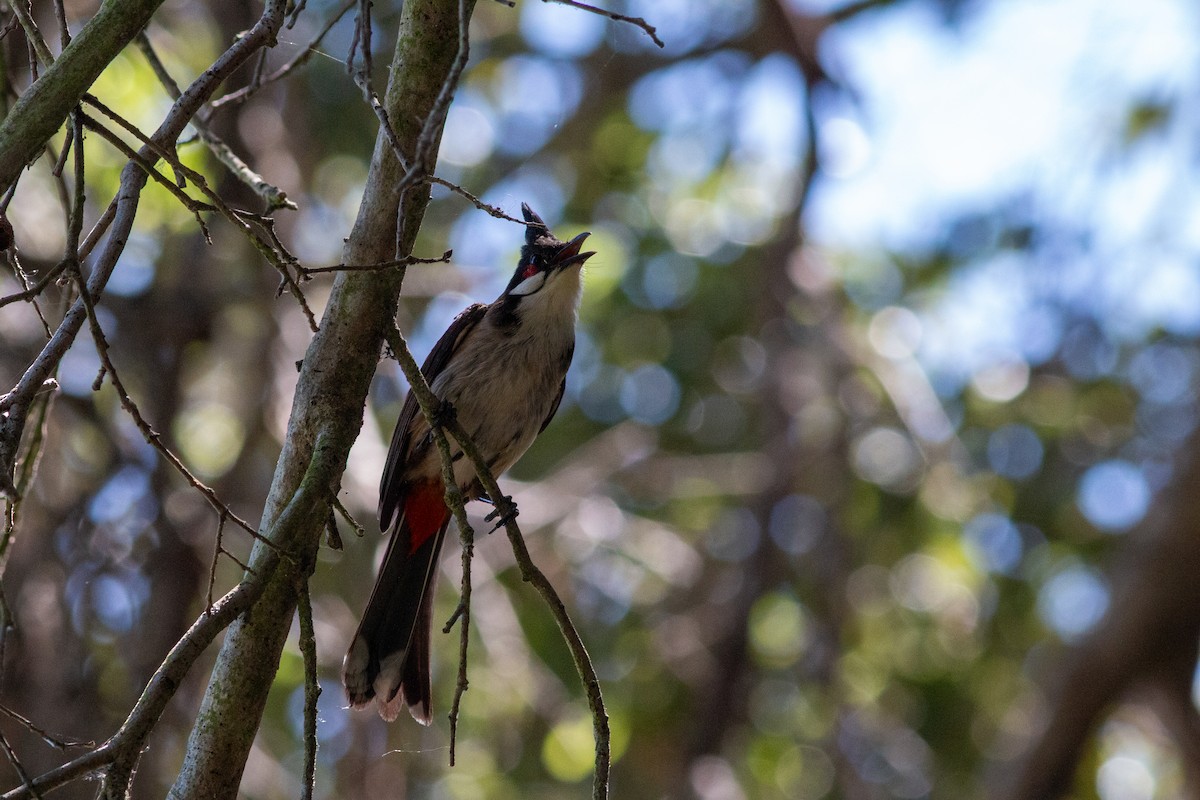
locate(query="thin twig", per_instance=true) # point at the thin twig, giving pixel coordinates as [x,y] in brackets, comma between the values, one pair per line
[11,755]
[218,548]
[337,506]
[127,743]
[494,211]
[55,741]
[463,612]
[275,197]
[186,200]
[31,291]
[333,538]
[273,250]
[650,30]
[312,688]
[308,272]
[246,92]
[153,437]
[60,15]
[101,342]
[34,36]
[14,260]
[442,423]
[361,42]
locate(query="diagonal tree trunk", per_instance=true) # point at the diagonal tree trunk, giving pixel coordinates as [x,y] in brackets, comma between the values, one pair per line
[328,407]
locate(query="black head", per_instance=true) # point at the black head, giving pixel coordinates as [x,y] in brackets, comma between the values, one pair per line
[542,256]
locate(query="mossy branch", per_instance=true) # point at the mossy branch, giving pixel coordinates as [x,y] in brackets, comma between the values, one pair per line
[43,108]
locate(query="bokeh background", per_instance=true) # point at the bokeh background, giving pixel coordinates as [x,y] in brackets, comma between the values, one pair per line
[886,363]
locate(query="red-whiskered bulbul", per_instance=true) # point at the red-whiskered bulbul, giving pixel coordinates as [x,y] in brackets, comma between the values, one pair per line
[502,367]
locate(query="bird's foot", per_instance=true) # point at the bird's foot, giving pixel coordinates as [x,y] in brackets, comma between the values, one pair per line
[443,414]
[503,511]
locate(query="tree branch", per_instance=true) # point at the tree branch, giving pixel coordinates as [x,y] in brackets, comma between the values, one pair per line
[327,409]
[133,180]
[43,108]
[440,425]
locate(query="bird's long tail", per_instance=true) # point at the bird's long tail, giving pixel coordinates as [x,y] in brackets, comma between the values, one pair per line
[388,659]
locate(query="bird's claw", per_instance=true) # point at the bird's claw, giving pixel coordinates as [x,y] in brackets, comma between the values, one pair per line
[503,512]
[443,414]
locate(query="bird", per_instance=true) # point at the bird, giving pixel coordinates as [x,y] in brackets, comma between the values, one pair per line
[502,369]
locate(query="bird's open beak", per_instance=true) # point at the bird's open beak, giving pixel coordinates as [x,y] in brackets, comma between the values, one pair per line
[569,254]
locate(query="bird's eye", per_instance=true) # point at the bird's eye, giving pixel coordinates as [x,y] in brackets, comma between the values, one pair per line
[532,282]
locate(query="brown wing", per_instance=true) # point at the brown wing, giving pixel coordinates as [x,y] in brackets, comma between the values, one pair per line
[391,487]
[562,387]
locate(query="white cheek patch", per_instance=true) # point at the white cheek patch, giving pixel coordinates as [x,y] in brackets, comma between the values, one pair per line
[530,284]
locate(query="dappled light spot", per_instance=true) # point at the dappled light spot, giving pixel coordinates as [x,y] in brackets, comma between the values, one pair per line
[779,630]
[1114,495]
[523,127]
[1087,353]
[210,438]
[886,457]
[712,778]
[600,397]
[684,156]
[333,733]
[770,130]
[923,583]
[684,25]
[118,599]
[948,493]
[845,148]
[1002,380]
[895,332]
[1164,373]
[557,30]
[135,268]
[650,394]
[567,749]
[733,535]
[797,523]
[468,138]
[995,542]
[666,281]
[738,364]
[1124,777]
[1073,601]
[1015,451]
[1167,426]
[120,495]
[694,226]
[79,367]
[803,772]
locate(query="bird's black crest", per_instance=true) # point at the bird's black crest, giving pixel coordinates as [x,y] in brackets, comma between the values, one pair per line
[536,228]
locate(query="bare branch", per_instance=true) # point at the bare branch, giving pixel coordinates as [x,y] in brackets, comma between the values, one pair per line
[126,744]
[133,180]
[275,197]
[32,33]
[11,755]
[273,250]
[650,30]
[246,92]
[442,423]
[308,272]
[55,741]
[312,689]
[482,206]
